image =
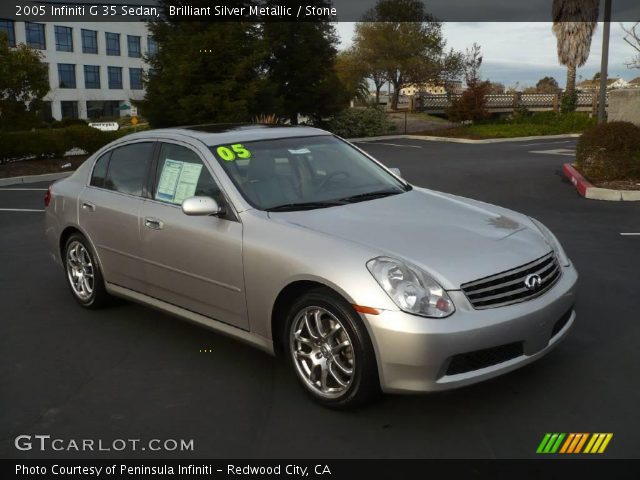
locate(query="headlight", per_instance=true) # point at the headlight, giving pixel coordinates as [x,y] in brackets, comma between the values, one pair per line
[553,242]
[411,289]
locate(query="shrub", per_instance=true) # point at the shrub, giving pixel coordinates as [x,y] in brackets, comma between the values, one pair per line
[89,139]
[52,143]
[610,151]
[67,122]
[360,122]
[472,105]
[569,102]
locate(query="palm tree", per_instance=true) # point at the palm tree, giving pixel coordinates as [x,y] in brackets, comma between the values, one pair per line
[574,22]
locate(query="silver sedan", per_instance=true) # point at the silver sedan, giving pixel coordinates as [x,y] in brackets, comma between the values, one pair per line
[295,241]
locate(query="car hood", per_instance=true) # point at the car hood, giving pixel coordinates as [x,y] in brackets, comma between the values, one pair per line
[455,239]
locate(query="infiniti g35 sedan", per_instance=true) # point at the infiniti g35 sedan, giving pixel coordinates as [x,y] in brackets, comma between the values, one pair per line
[297,242]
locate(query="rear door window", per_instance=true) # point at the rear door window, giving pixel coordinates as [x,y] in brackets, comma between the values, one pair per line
[128,168]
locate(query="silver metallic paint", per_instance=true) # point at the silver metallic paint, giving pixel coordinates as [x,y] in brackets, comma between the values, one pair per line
[236,268]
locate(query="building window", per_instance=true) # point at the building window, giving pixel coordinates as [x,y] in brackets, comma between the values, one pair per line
[133,44]
[35,35]
[69,109]
[115,78]
[152,46]
[91,76]
[135,78]
[66,75]
[45,112]
[89,41]
[103,109]
[113,43]
[7,27]
[64,39]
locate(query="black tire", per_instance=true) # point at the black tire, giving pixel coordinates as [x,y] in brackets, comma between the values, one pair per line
[98,297]
[364,384]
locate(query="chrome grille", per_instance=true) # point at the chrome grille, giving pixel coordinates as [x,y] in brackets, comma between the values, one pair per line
[509,287]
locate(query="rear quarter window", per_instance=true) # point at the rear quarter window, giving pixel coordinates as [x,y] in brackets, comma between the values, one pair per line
[100,170]
[128,168]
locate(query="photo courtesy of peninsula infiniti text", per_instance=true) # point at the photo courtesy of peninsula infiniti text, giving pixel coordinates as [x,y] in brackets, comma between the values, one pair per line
[301,244]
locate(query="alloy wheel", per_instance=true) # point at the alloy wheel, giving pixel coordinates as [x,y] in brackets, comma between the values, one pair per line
[322,352]
[80,270]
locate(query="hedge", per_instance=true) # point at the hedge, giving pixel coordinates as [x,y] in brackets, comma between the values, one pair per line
[360,122]
[610,151]
[52,143]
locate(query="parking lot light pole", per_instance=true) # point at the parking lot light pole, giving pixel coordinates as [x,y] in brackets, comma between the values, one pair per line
[604,64]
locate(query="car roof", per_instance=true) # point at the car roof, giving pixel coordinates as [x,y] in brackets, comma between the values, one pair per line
[217,134]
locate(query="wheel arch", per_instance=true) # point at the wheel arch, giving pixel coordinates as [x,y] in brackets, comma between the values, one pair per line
[64,236]
[285,299]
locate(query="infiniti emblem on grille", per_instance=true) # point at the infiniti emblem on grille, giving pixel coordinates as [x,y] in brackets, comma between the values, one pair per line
[532,281]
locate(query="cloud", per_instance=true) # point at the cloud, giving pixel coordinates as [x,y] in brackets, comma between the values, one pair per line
[524,51]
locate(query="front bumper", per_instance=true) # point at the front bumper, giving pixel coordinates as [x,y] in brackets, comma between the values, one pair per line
[417,354]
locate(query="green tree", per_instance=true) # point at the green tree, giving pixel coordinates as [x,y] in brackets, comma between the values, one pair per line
[299,68]
[496,88]
[24,81]
[203,72]
[366,50]
[472,105]
[574,22]
[547,85]
[407,44]
[352,73]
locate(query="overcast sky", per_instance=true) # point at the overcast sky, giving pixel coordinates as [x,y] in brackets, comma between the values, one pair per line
[525,52]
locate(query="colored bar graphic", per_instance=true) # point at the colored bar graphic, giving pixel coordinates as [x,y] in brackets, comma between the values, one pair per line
[574,444]
[567,443]
[543,443]
[550,443]
[605,443]
[555,447]
[581,443]
[590,444]
[555,443]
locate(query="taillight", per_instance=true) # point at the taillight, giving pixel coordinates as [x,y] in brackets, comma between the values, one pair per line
[47,197]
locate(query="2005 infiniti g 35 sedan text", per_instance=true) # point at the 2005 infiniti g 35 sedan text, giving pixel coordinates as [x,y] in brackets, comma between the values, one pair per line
[294,240]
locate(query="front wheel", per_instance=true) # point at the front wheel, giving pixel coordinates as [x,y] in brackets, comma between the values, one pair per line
[330,350]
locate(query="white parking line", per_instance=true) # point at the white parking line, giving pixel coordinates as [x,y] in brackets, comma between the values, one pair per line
[23,189]
[19,210]
[392,144]
[543,143]
[632,234]
[558,151]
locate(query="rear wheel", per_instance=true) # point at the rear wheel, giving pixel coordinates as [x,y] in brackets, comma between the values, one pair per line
[83,273]
[330,350]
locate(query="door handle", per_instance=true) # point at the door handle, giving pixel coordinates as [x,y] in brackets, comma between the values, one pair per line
[88,206]
[153,223]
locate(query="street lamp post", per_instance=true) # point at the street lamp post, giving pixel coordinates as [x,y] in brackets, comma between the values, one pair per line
[604,64]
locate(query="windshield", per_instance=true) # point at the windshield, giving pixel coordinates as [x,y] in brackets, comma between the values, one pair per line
[304,173]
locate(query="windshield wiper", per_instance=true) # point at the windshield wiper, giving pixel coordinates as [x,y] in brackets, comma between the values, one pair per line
[289,207]
[370,195]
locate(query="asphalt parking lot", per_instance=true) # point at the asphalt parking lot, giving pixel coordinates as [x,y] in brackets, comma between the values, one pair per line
[131,372]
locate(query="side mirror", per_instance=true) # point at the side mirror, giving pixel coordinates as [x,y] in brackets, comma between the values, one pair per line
[396,171]
[201,206]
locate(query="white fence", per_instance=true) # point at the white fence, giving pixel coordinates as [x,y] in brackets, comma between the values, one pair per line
[587,102]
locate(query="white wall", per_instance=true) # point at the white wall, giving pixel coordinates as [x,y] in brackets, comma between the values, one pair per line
[80,94]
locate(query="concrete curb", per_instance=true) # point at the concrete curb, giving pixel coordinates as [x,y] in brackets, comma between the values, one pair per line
[464,140]
[34,178]
[587,190]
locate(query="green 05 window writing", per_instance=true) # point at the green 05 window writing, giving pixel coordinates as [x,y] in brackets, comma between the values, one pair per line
[229,153]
